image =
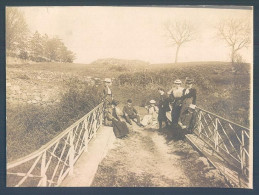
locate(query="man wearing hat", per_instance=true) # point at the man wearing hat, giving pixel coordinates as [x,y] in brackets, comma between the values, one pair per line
[107,93]
[107,96]
[163,107]
[175,97]
[189,102]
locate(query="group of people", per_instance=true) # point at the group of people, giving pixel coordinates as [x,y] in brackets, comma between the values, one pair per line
[180,101]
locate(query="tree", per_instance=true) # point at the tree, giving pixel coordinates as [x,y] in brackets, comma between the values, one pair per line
[16,29]
[36,47]
[236,34]
[178,34]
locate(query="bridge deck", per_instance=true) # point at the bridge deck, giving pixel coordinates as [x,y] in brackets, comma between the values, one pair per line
[86,167]
[217,161]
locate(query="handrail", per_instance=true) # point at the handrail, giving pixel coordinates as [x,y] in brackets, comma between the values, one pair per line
[50,143]
[245,128]
[228,139]
[55,159]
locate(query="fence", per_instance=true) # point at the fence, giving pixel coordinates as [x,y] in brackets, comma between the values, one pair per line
[50,164]
[230,140]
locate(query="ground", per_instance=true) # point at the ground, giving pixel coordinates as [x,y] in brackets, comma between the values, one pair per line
[152,158]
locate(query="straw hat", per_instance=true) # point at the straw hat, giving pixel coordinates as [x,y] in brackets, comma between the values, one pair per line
[152,101]
[107,80]
[177,81]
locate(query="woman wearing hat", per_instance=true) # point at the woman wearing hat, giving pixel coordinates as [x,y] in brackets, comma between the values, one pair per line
[175,97]
[151,117]
[120,128]
[189,102]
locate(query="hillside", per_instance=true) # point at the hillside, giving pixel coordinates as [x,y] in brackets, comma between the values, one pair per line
[34,92]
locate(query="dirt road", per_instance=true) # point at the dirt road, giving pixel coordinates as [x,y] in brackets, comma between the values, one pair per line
[150,158]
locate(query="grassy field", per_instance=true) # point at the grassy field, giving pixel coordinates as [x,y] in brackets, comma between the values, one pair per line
[220,90]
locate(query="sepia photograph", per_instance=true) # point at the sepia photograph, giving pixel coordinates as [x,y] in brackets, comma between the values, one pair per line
[128,96]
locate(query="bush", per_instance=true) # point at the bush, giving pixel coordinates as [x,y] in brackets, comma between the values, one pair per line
[31,126]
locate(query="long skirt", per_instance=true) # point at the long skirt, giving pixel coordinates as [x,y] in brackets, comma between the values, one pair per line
[120,128]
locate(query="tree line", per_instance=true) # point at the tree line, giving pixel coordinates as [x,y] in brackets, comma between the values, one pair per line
[36,47]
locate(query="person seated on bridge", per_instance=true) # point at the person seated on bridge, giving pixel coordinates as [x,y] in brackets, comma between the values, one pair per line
[163,106]
[120,128]
[189,97]
[129,112]
[151,117]
[175,98]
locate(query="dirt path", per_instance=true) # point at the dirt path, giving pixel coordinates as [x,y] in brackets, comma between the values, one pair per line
[149,158]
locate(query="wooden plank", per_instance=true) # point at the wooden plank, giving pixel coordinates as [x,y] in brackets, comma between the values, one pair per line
[229,172]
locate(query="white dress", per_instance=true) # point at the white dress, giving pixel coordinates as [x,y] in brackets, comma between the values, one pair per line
[151,117]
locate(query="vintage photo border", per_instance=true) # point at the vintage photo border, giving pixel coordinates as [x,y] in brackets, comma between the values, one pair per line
[4,3]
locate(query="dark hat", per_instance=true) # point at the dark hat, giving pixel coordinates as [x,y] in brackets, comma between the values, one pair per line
[161,89]
[129,101]
[115,102]
[189,81]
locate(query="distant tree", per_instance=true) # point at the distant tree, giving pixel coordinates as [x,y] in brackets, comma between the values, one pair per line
[235,33]
[55,50]
[36,47]
[179,33]
[16,30]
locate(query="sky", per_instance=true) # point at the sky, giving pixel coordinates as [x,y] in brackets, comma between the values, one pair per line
[134,33]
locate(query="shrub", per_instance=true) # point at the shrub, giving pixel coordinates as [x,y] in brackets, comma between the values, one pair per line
[31,126]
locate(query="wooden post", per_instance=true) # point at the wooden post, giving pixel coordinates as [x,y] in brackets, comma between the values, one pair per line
[94,123]
[71,154]
[43,182]
[216,136]
[199,123]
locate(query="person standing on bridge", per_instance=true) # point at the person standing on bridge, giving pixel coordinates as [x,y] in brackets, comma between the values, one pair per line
[175,98]
[129,112]
[189,103]
[163,106]
[107,97]
[107,92]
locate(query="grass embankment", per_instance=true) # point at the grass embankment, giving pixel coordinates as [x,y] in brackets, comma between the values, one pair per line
[219,90]
[29,127]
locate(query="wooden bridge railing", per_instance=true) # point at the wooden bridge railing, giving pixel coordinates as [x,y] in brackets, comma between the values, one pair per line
[50,164]
[230,140]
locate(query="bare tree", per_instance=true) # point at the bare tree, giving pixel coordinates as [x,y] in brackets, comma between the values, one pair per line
[236,34]
[178,33]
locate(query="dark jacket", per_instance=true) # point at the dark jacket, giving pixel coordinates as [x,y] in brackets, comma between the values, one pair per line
[129,110]
[192,94]
[163,103]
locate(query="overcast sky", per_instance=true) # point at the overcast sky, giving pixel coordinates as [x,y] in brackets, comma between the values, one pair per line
[133,32]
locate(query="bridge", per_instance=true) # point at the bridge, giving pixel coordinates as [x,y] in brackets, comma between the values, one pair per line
[74,155]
